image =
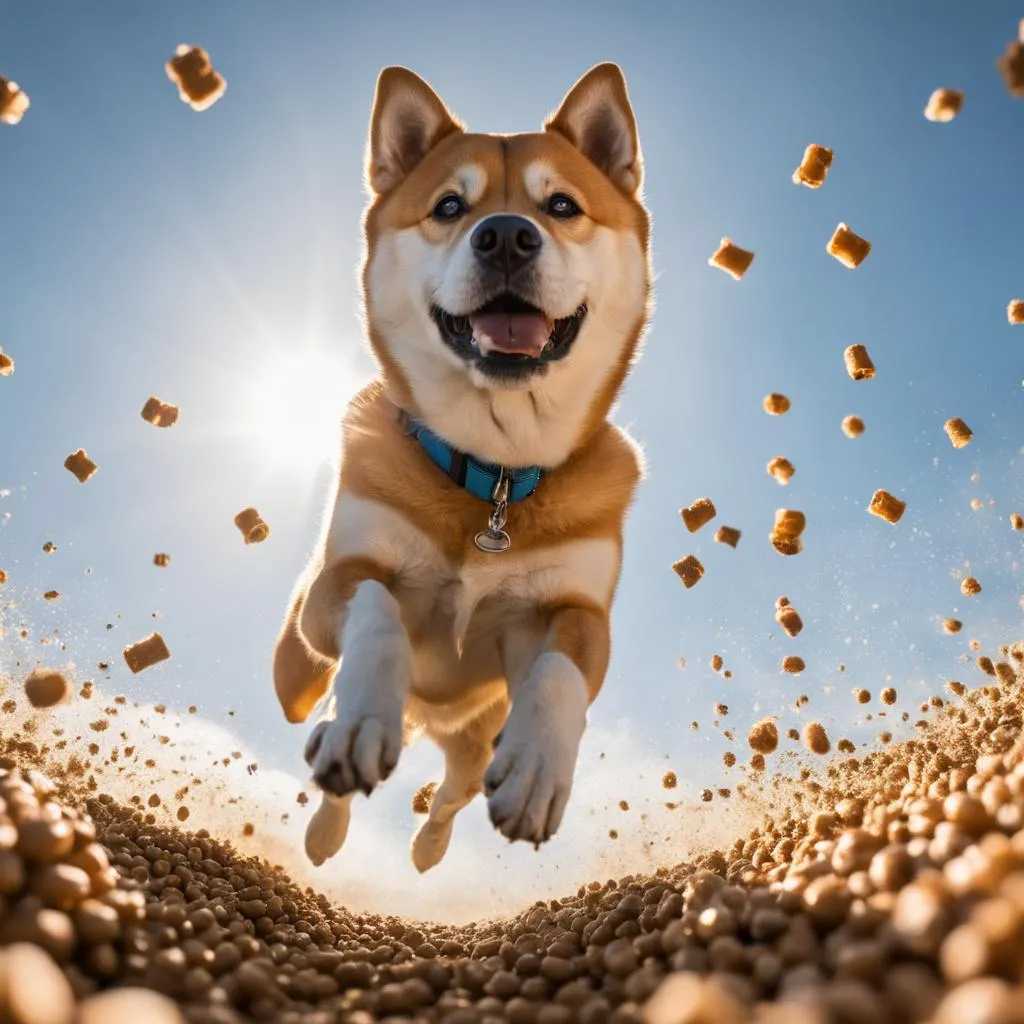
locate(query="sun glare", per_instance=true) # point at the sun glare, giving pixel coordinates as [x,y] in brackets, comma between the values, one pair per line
[290,409]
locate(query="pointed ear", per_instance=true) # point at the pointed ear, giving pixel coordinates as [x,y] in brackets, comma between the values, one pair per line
[596,117]
[408,120]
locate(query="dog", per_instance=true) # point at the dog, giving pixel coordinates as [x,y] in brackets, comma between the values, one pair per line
[469,561]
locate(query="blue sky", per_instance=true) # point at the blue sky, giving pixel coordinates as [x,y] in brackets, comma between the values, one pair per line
[211,258]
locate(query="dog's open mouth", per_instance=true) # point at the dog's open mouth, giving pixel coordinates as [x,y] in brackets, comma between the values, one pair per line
[508,337]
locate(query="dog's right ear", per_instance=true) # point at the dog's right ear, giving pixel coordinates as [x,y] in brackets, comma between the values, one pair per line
[408,120]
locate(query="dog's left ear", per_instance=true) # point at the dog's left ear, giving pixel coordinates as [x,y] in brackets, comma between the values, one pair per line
[407,122]
[597,118]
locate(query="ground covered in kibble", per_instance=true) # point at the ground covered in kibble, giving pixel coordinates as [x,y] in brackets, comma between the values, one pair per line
[890,891]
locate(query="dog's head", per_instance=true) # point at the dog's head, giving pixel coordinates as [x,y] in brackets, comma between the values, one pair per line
[506,264]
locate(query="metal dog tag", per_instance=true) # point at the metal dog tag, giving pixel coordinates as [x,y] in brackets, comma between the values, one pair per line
[494,540]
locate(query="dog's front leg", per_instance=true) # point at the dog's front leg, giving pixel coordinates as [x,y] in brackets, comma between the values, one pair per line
[360,747]
[530,777]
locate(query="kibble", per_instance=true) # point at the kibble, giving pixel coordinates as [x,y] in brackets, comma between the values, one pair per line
[958,432]
[701,512]
[689,570]
[943,105]
[781,470]
[849,248]
[813,167]
[254,530]
[853,426]
[80,465]
[732,259]
[887,506]
[199,85]
[730,535]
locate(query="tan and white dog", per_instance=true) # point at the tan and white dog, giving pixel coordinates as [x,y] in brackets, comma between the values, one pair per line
[468,565]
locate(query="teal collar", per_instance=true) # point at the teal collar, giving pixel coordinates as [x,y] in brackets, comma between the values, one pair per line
[484,480]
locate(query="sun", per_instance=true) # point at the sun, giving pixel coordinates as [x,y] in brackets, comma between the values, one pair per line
[290,408]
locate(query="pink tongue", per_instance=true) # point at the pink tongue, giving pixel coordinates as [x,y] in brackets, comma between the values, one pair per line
[519,333]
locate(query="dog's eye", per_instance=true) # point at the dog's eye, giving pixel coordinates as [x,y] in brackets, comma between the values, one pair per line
[449,207]
[560,205]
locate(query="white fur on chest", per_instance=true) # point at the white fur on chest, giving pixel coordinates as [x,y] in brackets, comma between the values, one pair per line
[456,609]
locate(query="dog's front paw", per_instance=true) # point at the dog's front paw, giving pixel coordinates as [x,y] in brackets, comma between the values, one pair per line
[355,752]
[530,777]
[327,829]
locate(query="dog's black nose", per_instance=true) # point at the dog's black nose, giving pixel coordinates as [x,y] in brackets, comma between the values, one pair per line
[505,241]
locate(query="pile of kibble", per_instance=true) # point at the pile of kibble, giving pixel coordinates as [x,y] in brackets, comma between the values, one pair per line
[892,891]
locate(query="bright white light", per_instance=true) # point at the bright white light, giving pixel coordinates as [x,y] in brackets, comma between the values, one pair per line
[290,409]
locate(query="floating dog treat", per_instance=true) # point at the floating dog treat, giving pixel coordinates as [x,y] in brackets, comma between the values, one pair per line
[146,653]
[51,595]
[816,739]
[45,688]
[13,102]
[727,535]
[6,364]
[732,259]
[776,404]
[423,798]
[853,426]
[958,432]
[813,167]
[1016,521]
[886,506]
[888,695]
[764,736]
[863,696]
[1014,311]
[198,84]
[49,547]
[970,587]
[858,363]
[952,625]
[944,105]
[785,535]
[716,662]
[781,470]
[689,570]
[253,528]
[789,619]
[669,780]
[1011,65]
[851,250]
[160,413]
[700,512]
[162,559]
[80,465]
[793,665]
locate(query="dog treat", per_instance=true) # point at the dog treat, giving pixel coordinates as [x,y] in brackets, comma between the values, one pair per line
[51,595]
[785,535]
[1011,66]
[858,362]
[80,465]
[944,104]
[6,364]
[13,102]
[816,739]
[49,547]
[763,736]
[888,695]
[146,653]
[789,619]
[198,84]
[732,259]
[886,506]
[851,250]
[863,696]
[45,688]
[689,570]
[162,559]
[813,167]
[716,662]
[160,413]
[952,626]
[1015,311]
[702,511]
[853,426]
[958,432]
[776,404]
[970,587]
[1016,521]
[793,665]
[669,780]
[3,576]
[423,798]
[253,528]
[781,470]
[727,535]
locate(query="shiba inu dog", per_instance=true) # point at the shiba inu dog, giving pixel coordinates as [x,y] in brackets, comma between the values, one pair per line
[464,579]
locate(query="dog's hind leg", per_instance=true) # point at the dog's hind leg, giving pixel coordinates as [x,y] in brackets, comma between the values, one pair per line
[466,756]
[327,829]
[301,675]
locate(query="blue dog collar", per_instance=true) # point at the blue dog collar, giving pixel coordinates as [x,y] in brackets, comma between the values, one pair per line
[481,479]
